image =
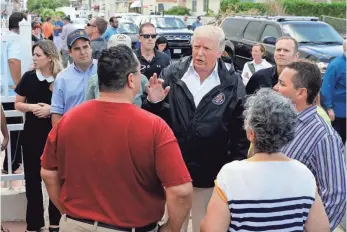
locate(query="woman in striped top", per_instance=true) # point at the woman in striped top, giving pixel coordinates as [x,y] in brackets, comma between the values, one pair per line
[268,191]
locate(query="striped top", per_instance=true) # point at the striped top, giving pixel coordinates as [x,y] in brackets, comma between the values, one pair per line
[319,147]
[267,196]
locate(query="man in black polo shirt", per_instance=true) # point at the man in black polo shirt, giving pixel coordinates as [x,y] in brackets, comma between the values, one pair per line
[286,51]
[152,61]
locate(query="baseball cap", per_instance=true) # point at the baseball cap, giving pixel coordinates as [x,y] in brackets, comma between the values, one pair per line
[75,35]
[119,39]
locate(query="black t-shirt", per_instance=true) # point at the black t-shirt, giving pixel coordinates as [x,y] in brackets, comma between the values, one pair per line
[156,65]
[34,90]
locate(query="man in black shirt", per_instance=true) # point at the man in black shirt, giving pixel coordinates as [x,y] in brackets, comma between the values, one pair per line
[152,61]
[286,51]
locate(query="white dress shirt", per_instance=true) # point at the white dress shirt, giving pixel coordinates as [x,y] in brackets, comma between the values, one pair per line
[246,72]
[192,79]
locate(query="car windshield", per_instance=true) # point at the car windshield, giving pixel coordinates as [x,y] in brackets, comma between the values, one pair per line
[128,28]
[169,23]
[307,33]
[80,21]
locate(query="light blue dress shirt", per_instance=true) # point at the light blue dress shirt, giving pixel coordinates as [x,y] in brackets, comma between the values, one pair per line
[69,88]
[109,32]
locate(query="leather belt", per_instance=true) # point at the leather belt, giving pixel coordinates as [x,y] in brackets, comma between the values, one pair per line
[147,228]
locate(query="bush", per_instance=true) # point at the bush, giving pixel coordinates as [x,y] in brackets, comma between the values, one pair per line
[177,10]
[291,7]
[60,13]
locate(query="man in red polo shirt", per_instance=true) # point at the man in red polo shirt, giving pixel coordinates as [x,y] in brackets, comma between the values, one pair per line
[109,165]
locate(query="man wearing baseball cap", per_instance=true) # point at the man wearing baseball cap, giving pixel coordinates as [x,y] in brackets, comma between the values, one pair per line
[92,90]
[69,87]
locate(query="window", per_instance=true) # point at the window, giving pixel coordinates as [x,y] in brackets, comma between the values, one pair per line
[269,31]
[194,4]
[233,27]
[206,3]
[252,30]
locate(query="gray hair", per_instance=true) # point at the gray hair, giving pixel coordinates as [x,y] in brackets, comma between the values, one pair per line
[209,31]
[272,117]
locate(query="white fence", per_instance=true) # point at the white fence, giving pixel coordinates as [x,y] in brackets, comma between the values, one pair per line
[24,39]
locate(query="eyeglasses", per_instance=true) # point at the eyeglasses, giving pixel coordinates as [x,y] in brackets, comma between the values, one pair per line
[146,36]
[90,25]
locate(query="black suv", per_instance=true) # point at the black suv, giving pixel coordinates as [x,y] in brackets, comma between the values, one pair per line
[317,40]
[175,31]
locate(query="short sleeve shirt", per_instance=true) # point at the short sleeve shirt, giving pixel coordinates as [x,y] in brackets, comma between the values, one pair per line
[108,175]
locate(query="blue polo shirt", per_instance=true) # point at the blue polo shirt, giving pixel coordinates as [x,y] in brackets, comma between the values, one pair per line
[69,88]
[109,32]
[58,31]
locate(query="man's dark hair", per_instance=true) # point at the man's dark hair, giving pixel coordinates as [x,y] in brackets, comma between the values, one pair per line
[48,19]
[145,25]
[112,19]
[307,76]
[101,25]
[114,66]
[15,18]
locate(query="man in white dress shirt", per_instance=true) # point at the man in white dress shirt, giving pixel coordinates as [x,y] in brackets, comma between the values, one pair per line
[202,101]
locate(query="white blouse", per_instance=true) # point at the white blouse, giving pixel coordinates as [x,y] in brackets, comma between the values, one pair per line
[246,72]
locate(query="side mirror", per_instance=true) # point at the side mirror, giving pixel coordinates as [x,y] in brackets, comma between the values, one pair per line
[269,40]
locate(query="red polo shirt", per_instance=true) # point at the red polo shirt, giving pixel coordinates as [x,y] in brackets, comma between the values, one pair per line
[113,160]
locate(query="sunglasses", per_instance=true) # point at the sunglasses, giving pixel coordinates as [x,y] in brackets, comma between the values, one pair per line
[90,25]
[146,36]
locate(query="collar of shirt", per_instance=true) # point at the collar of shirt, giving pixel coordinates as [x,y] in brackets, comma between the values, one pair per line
[81,71]
[306,114]
[261,63]
[42,78]
[139,54]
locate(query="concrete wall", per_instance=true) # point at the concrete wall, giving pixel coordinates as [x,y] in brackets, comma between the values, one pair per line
[13,206]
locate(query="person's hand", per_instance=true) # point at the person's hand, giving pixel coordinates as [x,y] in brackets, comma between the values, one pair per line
[331,114]
[155,90]
[4,143]
[43,111]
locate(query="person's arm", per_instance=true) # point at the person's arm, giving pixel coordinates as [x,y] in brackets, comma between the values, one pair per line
[328,86]
[21,106]
[49,170]
[330,169]
[245,74]
[217,218]
[317,220]
[4,130]
[63,34]
[174,176]
[58,101]
[52,182]
[238,142]
[91,88]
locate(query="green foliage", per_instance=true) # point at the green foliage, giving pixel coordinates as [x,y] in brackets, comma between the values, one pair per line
[177,10]
[291,7]
[60,13]
[50,4]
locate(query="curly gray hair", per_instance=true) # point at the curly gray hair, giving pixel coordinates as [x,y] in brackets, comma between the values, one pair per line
[272,117]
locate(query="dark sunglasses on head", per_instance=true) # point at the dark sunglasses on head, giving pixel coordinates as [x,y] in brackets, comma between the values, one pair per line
[146,36]
[90,25]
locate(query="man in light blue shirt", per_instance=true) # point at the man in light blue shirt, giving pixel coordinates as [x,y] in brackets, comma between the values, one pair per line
[69,87]
[196,23]
[112,30]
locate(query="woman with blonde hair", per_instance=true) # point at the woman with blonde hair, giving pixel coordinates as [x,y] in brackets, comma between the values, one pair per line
[34,93]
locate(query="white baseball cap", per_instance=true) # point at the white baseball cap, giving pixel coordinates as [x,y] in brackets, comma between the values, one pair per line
[119,39]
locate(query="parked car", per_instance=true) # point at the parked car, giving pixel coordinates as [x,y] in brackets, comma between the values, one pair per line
[175,31]
[318,41]
[79,22]
[128,16]
[129,28]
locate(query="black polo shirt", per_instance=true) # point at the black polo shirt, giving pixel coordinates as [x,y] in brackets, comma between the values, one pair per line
[263,78]
[158,63]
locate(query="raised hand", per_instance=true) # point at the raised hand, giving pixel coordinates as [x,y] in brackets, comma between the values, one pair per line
[155,90]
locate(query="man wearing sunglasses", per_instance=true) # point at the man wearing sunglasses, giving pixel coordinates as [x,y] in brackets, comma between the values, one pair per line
[152,60]
[95,28]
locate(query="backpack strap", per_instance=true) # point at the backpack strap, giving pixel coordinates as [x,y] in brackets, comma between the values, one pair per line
[251,67]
